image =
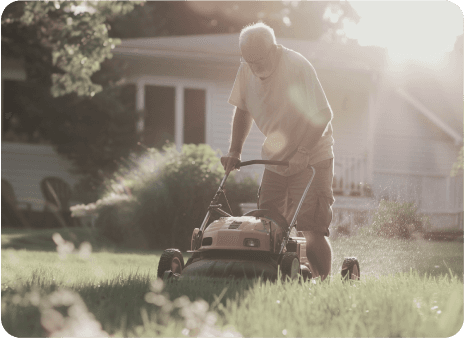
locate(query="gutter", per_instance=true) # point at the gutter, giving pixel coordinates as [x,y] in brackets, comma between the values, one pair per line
[180,55]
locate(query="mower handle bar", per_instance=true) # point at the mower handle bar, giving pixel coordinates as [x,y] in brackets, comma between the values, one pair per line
[243,164]
[214,202]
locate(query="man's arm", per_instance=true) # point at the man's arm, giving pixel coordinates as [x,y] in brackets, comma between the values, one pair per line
[241,125]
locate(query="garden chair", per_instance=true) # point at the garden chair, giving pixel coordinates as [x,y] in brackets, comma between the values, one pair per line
[11,213]
[57,194]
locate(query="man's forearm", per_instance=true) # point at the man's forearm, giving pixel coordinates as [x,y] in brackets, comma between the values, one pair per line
[316,129]
[241,126]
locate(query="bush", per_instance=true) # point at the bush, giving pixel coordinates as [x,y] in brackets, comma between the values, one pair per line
[168,193]
[397,219]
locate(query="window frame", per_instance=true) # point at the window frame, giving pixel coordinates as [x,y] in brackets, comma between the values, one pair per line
[180,84]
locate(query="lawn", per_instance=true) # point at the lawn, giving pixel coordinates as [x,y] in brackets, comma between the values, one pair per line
[408,288]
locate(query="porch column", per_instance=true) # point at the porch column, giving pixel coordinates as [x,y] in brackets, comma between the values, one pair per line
[179,118]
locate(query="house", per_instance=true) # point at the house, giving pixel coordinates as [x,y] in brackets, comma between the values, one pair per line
[397,131]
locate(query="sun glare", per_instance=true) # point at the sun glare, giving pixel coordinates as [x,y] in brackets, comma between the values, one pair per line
[418,30]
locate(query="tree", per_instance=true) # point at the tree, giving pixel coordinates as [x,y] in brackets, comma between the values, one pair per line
[290,19]
[73,97]
[72,35]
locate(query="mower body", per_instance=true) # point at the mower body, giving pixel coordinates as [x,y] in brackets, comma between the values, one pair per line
[257,244]
[245,246]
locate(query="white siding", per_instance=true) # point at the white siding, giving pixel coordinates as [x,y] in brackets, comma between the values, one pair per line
[350,121]
[405,141]
[221,117]
[25,165]
[220,128]
[413,160]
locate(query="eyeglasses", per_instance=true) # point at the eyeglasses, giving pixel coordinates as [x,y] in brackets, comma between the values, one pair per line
[260,61]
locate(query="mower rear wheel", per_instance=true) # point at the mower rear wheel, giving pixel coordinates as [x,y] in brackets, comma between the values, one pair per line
[350,269]
[290,266]
[171,260]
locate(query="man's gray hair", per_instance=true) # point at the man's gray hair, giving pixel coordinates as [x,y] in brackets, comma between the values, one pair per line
[257,31]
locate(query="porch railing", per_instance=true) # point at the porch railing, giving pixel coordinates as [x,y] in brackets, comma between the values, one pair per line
[351,177]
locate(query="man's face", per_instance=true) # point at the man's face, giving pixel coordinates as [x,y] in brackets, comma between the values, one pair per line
[259,58]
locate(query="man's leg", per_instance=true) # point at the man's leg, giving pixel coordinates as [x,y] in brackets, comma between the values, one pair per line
[273,192]
[319,253]
[315,214]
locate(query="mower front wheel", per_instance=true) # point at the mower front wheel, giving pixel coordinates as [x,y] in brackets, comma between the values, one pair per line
[290,266]
[171,260]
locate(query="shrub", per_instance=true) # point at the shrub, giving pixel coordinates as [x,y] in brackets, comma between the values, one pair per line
[168,193]
[397,219]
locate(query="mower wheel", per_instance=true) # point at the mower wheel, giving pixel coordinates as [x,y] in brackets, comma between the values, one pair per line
[172,260]
[290,265]
[350,269]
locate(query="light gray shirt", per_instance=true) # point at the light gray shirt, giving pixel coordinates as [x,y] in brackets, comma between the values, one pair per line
[284,106]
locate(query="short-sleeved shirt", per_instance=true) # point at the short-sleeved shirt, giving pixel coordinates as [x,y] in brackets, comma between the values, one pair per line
[284,106]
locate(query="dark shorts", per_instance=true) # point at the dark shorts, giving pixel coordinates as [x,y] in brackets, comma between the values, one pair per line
[283,194]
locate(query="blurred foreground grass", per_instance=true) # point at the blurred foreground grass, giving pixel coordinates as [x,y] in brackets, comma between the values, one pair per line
[408,288]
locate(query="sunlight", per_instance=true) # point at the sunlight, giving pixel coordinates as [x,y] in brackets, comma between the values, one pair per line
[421,31]
[82,8]
[275,142]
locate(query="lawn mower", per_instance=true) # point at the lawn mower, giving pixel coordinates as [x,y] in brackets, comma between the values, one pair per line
[257,244]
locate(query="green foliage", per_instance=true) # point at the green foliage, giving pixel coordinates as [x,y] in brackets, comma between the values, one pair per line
[170,192]
[75,33]
[91,131]
[397,219]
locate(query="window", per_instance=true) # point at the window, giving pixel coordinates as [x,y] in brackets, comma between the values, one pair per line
[174,111]
[194,115]
[159,116]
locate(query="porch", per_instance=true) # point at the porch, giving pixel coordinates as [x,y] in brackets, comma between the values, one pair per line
[351,176]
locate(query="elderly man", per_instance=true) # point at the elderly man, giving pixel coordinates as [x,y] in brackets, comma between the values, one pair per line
[278,88]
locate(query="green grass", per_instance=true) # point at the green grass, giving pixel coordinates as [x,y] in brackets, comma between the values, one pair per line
[408,288]
[41,240]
